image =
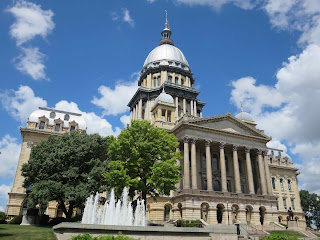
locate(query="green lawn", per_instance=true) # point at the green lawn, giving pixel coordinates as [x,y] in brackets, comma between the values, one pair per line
[285,233]
[17,232]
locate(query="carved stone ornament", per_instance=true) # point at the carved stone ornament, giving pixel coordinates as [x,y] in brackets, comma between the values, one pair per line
[29,144]
[259,151]
[193,140]
[222,145]
[278,176]
[265,153]
[186,139]
[208,143]
[235,147]
[247,149]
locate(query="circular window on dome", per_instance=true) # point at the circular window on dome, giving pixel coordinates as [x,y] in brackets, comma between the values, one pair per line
[52,115]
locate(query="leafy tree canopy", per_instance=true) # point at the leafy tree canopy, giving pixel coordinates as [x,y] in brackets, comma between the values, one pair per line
[66,169]
[310,203]
[143,158]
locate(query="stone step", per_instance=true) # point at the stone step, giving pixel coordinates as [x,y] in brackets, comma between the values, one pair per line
[308,234]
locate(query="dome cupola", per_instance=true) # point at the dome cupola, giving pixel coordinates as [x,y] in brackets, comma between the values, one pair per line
[166,34]
[245,117]
[164,97]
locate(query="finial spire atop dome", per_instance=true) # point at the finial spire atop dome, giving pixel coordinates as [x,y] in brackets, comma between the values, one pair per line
[166,33]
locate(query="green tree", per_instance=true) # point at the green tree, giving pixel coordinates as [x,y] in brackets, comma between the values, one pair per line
[144,159]
[310,203]
[66,169]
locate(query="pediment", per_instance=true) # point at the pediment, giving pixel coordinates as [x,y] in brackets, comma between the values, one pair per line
[228,124]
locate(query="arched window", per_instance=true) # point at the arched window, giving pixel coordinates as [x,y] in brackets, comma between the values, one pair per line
[52,115]
[42,124]
[154,81]
[278,161]
[285,203]
[159,81]
[274,183]
[292,204]
[57,127]
[286,162]
[182,81]
[289,184]
[66,117]
[176,80]
[167,213]
[220,208]
[216,185]
[281,184]
[270,160]
[170,79]
[277,204]
[214,162]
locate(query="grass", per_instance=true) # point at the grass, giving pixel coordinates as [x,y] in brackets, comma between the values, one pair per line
[17,232]
[317,234]
[285,233]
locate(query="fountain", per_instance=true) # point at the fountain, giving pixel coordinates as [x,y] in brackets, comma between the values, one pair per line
[120,213]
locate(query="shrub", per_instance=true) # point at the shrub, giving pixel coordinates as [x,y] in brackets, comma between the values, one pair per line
[87,236]
[3,218]
[279,238]
[16,220]
[189,223]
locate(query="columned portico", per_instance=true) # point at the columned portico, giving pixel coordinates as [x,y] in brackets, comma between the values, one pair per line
[224,187]
[236,169]
[186,167]
[266,168]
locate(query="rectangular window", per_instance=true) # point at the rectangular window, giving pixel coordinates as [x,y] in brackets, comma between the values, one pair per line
[159,81]
[274,183]
[42,125]
[72,128]
[292,204]
[176,80]
[154,82]
[57,128]
[281,184]
[285,203]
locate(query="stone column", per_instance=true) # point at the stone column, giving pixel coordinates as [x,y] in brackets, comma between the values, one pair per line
[208,165]
[236,169]
[223,168]
[137,111]
[178,185]
[195,108]
[201,114]
[296,193]
[140,109]
[249,171]
[262,173]
[148,110]
[134,113]
[184,106]
[186,167]
[191,108]
[194,164]
[266,167]
[131,112]
[177,108]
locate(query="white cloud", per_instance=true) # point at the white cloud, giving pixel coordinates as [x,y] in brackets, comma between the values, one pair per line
[123,16]
[217,4]
[21,103]
[9,156]
[95,124]
[30,21]
[4,189]
[30,62]
[125,119]
[114,101]
[127,18]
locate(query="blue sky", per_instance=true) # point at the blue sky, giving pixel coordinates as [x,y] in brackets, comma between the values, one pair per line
[85,56]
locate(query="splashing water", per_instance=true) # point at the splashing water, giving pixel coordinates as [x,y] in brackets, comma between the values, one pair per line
[120,213]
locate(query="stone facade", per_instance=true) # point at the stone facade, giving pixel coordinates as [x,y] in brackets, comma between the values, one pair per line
[41,124]
[228,173]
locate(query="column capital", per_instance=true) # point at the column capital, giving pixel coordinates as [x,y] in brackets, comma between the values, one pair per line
[222,145]
[259,151]
[193,140]
[186,139]
[235,147]
[29,144]
[265,153]
[208,143]
[247,149]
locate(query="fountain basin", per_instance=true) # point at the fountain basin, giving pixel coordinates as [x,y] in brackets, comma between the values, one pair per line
[65,231]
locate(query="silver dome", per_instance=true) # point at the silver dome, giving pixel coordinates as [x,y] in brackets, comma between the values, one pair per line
[166,52]
[245,116]
[164,97]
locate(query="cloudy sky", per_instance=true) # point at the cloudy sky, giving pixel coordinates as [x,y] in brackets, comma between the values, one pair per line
[85,56]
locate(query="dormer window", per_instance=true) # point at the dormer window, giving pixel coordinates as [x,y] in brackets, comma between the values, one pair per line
[66,117]
[42,124]
[52,115]
[170,79]
[72,128]
[57,127]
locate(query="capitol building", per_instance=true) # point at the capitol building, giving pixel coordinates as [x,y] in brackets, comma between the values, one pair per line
[229,174]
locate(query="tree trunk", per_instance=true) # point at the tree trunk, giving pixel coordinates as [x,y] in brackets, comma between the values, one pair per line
[70,211]
[144,197]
